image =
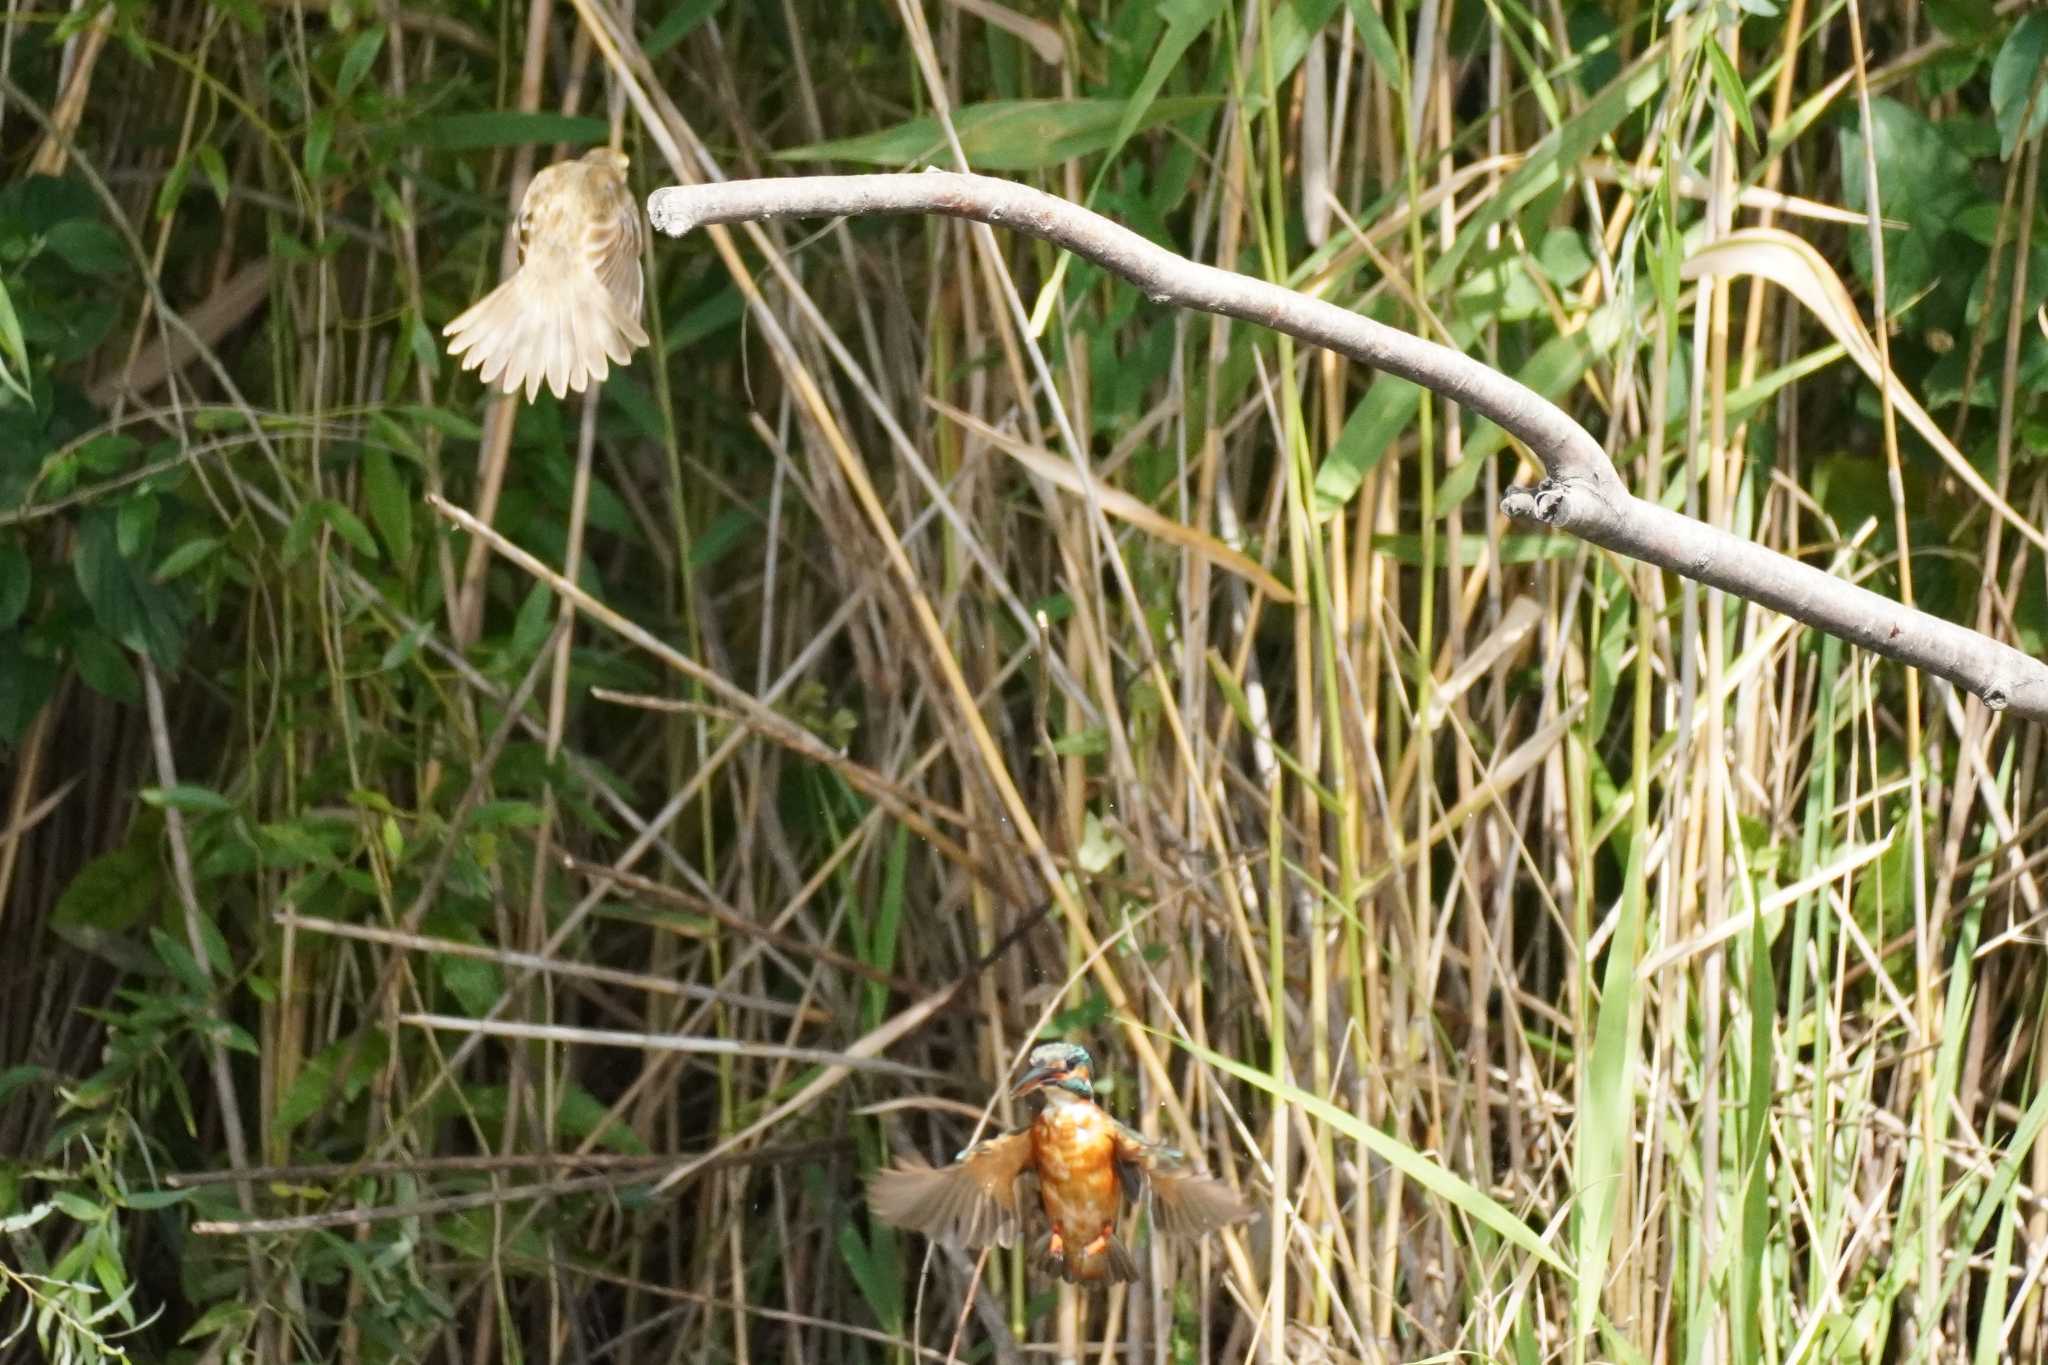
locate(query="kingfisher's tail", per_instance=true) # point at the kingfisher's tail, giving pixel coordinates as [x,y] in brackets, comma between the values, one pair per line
[1103,1261]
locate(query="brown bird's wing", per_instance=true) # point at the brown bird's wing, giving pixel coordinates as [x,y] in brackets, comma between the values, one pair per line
[973,1202]
[1185,1202]
[612,241]
[607,243]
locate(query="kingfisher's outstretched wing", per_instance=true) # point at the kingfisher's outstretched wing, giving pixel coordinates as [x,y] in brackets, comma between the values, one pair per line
[973,1202]
[1185,1202]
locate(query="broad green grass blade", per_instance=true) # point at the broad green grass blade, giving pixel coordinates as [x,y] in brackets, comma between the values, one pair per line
[1450,1188]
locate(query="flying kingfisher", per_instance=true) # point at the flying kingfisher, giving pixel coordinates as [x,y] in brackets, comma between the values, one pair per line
[1085,1164]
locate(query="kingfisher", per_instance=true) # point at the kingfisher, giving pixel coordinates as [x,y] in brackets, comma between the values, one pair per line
[1085,1165]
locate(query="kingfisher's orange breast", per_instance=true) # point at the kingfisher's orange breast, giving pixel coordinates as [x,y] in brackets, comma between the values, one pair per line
[1074,1146]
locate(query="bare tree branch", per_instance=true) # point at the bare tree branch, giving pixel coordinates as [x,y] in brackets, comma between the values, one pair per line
[1582,493]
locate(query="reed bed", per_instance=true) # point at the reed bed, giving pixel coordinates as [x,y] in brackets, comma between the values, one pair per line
[490,880]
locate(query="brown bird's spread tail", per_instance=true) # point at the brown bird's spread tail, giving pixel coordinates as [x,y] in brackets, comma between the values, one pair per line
[536,329]
[572,309]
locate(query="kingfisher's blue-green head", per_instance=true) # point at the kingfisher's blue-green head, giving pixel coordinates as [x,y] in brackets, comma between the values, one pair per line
[1066,1065]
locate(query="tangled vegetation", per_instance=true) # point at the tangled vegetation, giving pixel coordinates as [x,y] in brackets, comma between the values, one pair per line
[433,944]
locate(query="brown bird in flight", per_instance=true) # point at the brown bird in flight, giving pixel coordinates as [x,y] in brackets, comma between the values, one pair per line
[575,299]
[1085,1165]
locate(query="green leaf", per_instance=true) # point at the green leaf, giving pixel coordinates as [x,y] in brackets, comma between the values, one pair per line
[362,51]
[104,667]
[1603,1148]
[293,843]
[173,188]
[350,528]
[1004,135]
[1085,1017]
[876,1269]
[227,1314]
[76,1206]
[307,1093]
[185,796]
[2019,94]
[389,203]
[474,984]
[426,349]
[530,628]
[582,1116]
[215,168]
[362,1057]
[1186,20]
[877,943]
[451,424]
[108,454]
[1563,257]
[506,814]
[1369,432]
[504,128]
[34,204]
[298,537]
[187,557]
[88,246]
[1729,83]
[1923,177]
[1966,21]
[126,601]
[14,1078]
[679,24]
[395,437]
[1379,43]
[287,247]
[112,893]
[1295,24]
[135,526]
[183,965]
[403,648]
[319,137]
[390,503]
[146,1200]
[1083,743]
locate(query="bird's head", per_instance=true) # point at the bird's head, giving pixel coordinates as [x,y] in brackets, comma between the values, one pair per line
[1066,1065]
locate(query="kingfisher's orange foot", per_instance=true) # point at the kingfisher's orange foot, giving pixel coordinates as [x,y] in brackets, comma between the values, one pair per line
[1055,1248]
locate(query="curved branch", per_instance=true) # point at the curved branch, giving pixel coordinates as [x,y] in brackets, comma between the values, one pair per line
[1582,493]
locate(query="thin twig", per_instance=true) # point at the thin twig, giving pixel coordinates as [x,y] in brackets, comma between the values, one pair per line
[195,936]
